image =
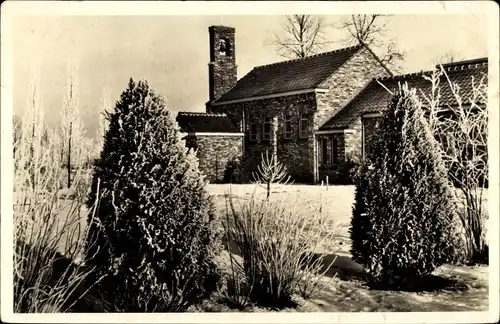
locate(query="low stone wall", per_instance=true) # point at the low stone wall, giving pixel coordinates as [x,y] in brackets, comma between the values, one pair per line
[215,154]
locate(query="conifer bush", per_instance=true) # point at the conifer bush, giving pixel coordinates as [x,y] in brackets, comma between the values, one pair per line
[360,223]
[155,232]
[403,219]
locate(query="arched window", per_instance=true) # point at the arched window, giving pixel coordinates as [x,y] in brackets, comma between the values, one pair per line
[224,46]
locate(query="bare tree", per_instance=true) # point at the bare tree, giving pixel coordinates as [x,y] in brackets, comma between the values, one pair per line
[17,126]
[31,135]
[448,57]
[462,132]
[269,171]
[71,124]
[304,36]
[369,31]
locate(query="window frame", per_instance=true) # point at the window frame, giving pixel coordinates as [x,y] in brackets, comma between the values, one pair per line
[266,136]
[303,119]
[324,151]
[334,156]
[287,121]
[252,130]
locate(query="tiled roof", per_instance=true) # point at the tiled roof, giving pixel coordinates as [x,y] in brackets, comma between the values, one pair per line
[205,123]
[293,75]
[375,98]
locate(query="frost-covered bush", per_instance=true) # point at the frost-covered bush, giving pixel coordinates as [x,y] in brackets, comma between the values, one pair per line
[156,239]
[402,225]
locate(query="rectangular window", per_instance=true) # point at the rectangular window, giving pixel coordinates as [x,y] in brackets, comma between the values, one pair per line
[324,151]
[370,129]
[287,127]
[253,130]
[266,129]
[334,151]
[303,126]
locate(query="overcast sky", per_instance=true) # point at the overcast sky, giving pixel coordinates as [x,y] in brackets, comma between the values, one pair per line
[172,52]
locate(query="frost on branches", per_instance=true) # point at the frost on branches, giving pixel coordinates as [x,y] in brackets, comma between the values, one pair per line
[406,199]
[158,241]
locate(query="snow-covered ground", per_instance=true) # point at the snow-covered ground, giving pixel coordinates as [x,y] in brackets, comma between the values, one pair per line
[345,292]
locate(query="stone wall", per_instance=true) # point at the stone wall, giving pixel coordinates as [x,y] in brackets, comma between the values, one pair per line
[215,152]
[300,155]
[295,153]
[346,83]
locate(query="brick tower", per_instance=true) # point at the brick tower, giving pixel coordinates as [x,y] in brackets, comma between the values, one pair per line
[222,66]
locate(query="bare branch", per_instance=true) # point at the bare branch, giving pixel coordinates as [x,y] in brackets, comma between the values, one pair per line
[450,56]
[71,124]
[269,171]
[462,133]
[369,31]
[303,36]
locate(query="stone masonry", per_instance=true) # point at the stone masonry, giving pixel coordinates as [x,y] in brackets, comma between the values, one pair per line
[222,67]
[331,93]
[344,85]
[293,152]
[216,154]
[300,155]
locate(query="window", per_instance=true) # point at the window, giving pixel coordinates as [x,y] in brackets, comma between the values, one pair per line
[371,126]
[324,151]
[224,46]
[287,127]
[266,129]
[303,126]
[253,130]
[334,151]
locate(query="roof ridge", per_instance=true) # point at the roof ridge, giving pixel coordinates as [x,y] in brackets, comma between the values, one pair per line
[468,61]
[188,113]
[467,66]
[402,76]
[308,57]
[463,65]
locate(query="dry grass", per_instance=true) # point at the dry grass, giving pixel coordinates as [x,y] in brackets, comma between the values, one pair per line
[278,244]
[49,228]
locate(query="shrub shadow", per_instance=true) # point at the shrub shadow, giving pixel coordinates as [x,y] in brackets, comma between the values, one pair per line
[346,269]
[341,266]
[430,283]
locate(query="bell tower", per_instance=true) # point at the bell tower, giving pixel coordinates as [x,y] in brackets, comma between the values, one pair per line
[222,66]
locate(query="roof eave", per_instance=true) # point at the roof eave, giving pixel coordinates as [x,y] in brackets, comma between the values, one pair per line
[268,96]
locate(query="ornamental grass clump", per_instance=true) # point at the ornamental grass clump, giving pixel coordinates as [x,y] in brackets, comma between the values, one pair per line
[281,249]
